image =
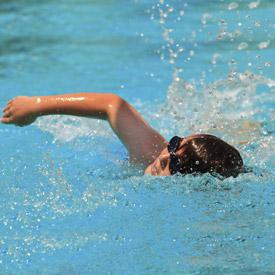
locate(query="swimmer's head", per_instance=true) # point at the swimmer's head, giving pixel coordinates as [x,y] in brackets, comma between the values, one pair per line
[197,154]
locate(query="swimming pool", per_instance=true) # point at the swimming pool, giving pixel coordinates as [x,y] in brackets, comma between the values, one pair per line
[71,203]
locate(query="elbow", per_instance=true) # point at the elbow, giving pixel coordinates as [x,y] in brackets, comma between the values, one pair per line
[115,104]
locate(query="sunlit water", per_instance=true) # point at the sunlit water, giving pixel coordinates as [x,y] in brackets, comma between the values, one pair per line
[71,203]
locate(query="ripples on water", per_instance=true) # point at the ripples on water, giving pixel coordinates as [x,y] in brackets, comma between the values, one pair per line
[70,202]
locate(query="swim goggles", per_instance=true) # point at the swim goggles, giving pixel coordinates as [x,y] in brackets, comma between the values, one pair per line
[175,161]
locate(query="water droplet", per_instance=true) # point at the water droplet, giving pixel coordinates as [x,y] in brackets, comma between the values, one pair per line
[205,18]
[254,5]
[268,64]
[233,6]
[263,44]
[171,9]
[242,46]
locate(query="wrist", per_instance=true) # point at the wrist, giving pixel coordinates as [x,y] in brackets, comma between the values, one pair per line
[36,105]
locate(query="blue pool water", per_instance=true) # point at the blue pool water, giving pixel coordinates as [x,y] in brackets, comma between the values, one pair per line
[69,201]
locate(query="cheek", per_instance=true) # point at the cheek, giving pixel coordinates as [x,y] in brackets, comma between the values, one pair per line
[153,168]
[149,170]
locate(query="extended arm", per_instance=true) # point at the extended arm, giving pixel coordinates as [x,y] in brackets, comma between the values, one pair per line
[143,142]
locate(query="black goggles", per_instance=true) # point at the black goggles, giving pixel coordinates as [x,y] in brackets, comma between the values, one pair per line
[172,147]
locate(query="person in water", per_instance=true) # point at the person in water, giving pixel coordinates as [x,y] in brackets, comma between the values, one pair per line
[195,154]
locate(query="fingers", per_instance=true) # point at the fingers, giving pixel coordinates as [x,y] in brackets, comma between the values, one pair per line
[6,120]
[7,115]
[6,108]
[7,111]
[9,102]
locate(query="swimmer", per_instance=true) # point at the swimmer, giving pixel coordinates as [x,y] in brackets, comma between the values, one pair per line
[195,154]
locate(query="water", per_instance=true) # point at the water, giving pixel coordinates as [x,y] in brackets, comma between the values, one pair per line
[70,202]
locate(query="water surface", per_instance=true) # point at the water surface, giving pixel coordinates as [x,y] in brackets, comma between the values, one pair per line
[70,202]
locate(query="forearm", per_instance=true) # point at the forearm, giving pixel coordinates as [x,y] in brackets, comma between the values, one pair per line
[80,104]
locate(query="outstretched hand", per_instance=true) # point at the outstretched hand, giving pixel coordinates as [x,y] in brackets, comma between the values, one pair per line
[20,111]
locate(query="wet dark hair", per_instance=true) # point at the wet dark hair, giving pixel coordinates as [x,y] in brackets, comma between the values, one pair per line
[206,153]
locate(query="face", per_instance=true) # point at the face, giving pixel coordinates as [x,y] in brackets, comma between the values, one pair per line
[160,167]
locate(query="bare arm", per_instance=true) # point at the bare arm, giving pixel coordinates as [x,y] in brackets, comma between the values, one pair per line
[142,141]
